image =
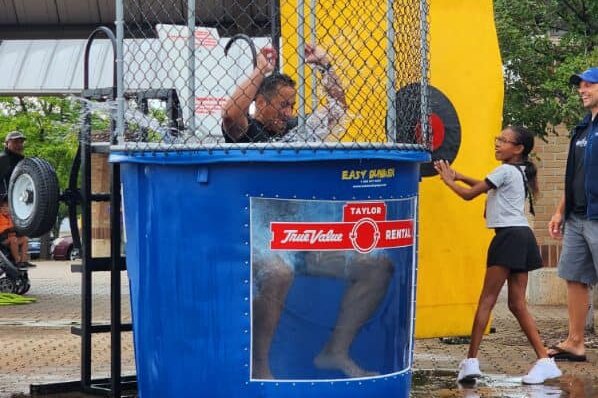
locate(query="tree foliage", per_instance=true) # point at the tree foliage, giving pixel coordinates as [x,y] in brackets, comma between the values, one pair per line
[542,43]
[51,126]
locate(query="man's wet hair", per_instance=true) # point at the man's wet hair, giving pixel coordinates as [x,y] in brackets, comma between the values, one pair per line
[273,82]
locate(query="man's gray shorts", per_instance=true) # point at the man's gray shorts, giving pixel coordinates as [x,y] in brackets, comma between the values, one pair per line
[579,258]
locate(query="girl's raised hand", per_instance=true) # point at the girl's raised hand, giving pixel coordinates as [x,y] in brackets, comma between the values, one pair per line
[444,170]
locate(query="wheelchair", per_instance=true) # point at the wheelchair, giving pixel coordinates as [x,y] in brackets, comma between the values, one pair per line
[33,195]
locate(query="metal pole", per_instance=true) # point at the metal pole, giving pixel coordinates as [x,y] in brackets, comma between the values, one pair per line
[391,104]
[312,38]
[275,28]
[301,69]
[115,298]
[424,106]
[86,193]
[86,279]
[86,199]
[191,63]
[120,81]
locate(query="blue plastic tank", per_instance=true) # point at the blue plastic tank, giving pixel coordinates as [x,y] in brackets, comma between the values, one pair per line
[208,232]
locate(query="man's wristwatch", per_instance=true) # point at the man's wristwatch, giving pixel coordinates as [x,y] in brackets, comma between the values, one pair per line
[324,68]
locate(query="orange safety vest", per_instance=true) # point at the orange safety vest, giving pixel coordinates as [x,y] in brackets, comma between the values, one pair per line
[5,222]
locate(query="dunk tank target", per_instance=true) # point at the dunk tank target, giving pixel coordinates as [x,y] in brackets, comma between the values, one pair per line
[278,261]
[443,121]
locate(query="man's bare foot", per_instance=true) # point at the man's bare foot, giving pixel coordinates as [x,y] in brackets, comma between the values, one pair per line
[343,363]
[568,347]
[565,351]
[261,373]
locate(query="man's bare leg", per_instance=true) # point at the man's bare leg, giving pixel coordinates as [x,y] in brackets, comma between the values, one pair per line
[578,301]
[23,243]
[368,278]
[273,278]
[13,245]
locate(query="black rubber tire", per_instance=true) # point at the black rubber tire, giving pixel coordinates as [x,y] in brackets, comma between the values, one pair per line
[7,285]
[22,284]
[73,254]
[33,195]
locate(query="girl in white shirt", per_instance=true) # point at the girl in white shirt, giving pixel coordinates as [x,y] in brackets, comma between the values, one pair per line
[513,251]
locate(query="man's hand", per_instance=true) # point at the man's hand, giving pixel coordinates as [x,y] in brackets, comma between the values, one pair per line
[266,60]
[555,226]
[316,55]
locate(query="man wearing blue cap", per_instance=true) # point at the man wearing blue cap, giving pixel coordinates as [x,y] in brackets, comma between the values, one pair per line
[576,219]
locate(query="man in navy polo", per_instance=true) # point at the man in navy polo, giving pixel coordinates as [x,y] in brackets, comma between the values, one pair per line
[576,219]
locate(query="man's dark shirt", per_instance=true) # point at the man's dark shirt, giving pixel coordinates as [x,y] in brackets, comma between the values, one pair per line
[578,182]
[8,162]
[590,159]
[257,132]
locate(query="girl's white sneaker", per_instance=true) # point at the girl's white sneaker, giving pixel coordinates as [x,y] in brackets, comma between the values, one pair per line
[542,370]
[469,370]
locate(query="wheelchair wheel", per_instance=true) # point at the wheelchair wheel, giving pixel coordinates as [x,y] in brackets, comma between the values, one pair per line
[22,284]
[7,285]
[33,195]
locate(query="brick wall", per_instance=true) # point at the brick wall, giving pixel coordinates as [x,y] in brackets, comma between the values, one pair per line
[550,157]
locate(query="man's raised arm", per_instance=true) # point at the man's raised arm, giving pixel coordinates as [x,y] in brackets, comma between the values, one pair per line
[234,112]
[315,55]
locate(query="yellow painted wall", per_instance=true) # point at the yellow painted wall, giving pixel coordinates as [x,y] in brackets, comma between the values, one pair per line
[466,67]
[354,34]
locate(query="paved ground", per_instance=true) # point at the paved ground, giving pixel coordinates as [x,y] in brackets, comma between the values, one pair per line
[38,348]
[505,356]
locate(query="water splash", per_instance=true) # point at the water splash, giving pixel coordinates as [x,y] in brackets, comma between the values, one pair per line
[140,127]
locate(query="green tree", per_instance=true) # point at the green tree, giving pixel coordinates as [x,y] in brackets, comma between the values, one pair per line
[542,43]
[51,125]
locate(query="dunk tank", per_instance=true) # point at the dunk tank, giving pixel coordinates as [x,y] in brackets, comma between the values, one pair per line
[276,265]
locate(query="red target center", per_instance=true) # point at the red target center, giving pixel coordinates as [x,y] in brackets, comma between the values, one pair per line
[437,128]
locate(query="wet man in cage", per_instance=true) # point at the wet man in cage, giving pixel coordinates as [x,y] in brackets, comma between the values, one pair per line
[367,275]
[274,95]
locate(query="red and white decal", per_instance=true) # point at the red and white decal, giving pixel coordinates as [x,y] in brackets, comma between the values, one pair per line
[364,228]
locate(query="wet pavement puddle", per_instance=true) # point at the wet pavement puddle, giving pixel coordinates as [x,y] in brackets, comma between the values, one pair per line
[442,384]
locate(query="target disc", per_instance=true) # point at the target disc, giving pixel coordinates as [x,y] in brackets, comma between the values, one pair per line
[443,120]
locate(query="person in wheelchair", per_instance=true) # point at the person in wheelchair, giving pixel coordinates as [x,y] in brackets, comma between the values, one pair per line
[16,244]
[14,146]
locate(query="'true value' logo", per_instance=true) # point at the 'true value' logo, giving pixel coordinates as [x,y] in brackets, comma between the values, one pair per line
[364,228]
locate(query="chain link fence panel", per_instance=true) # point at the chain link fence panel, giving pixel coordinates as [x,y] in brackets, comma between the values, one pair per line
[262,73]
